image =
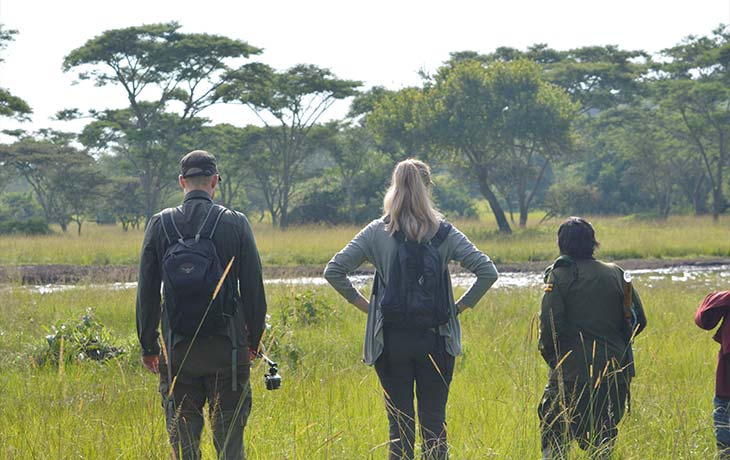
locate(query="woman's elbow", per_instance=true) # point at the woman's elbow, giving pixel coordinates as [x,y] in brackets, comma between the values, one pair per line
[331,273]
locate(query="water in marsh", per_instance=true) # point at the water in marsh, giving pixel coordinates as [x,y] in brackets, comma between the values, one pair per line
[710,276]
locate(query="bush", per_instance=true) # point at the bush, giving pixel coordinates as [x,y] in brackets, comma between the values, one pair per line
[568,199]
[84,339]
[33,226]
[451,196]
[19,213]
[306,308]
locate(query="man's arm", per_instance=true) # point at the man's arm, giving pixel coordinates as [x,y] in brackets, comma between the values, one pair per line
[251,286]
[148,292]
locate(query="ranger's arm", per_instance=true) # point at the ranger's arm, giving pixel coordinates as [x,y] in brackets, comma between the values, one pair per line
[639,310]
[552,320]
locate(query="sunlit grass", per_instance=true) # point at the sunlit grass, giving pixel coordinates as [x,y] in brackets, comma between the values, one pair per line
[621,237]
[330,405]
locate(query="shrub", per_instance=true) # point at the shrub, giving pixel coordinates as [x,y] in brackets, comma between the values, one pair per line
[84,339]
[34,226]
[306,308]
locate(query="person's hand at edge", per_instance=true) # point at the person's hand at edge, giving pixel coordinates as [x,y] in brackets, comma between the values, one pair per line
[152,363]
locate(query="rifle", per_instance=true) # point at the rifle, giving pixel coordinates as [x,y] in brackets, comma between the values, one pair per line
[630,319]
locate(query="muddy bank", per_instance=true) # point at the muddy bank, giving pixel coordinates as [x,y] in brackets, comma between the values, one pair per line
[73,274]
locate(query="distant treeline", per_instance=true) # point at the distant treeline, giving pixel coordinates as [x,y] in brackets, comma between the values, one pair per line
[597,130]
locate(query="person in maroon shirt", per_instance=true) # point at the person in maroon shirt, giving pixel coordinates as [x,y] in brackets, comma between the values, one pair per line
[714,308]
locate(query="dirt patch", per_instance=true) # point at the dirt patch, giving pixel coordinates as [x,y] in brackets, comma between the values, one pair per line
[74,274]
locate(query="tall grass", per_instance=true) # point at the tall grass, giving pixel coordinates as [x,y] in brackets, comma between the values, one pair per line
[330,405]
[622,238]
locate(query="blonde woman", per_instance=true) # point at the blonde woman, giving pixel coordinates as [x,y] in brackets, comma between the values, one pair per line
[407,351]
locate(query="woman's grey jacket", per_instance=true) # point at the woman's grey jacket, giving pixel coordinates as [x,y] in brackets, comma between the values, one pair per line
[374,244]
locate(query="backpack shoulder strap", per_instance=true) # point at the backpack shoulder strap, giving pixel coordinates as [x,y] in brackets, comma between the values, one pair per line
[441,234]
[399,236]
[169,227]
[210,223]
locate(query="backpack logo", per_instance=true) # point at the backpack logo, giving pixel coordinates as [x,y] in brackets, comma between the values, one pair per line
[187,268]
[416,292]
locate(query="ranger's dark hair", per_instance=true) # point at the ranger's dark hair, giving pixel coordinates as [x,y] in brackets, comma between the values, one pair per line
[576,238]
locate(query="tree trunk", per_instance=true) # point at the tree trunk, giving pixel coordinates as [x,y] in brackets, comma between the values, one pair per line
[523,216]
[666,203]
[718,204]
[78,224]
[351,203]
[494,204]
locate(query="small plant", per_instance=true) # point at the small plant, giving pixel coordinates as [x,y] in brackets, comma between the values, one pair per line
[306,308]
[76,341]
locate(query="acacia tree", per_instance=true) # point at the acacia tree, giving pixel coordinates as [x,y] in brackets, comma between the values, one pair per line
[502,121]
[399,121]
[696,85]
[234,148]
[596,77]
[289,104]
[659,164]
[168,77]
[11,105]
[52,169]
[351,148]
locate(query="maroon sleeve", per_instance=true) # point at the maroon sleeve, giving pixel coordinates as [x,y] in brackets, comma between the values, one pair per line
[712,309]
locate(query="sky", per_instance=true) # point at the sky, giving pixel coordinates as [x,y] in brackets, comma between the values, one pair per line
[379,42]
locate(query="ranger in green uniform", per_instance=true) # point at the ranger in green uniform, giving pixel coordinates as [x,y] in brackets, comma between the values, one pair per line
[589,315]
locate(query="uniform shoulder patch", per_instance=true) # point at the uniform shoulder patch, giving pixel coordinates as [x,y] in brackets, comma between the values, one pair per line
[548,287]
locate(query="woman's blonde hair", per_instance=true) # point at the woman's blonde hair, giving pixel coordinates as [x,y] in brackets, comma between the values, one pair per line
[407,204]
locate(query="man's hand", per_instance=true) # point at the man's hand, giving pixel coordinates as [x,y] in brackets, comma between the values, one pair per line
[152,363]
[461,307]
[252,354]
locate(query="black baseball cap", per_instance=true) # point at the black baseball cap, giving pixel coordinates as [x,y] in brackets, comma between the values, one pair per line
[198,163]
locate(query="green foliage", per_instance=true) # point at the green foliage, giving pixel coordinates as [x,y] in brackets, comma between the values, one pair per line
[31,226]
[184,70]
[58,173]
[296,99]
[77,340]
[571,199]
[306,308]
[503,122]
[11,105]
[693,85]
[452,197]
[19,207]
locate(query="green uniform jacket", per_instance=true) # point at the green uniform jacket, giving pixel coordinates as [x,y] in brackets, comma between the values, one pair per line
[583,332]
[233,238]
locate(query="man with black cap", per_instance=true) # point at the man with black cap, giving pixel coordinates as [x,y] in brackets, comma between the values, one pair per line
[200,360]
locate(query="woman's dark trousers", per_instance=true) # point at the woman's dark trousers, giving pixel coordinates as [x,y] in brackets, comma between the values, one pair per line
[415,357]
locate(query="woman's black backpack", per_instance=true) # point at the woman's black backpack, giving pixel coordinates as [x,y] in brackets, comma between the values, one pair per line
[416,293]
[191,271]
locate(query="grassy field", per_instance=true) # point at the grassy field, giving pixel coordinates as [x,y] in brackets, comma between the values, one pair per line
[330,406]
[622,238]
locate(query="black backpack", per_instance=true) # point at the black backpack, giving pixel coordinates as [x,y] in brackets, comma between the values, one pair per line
[416,293]
[191,271]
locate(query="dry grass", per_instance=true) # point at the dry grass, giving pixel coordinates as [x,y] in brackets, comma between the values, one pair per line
[622,238]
